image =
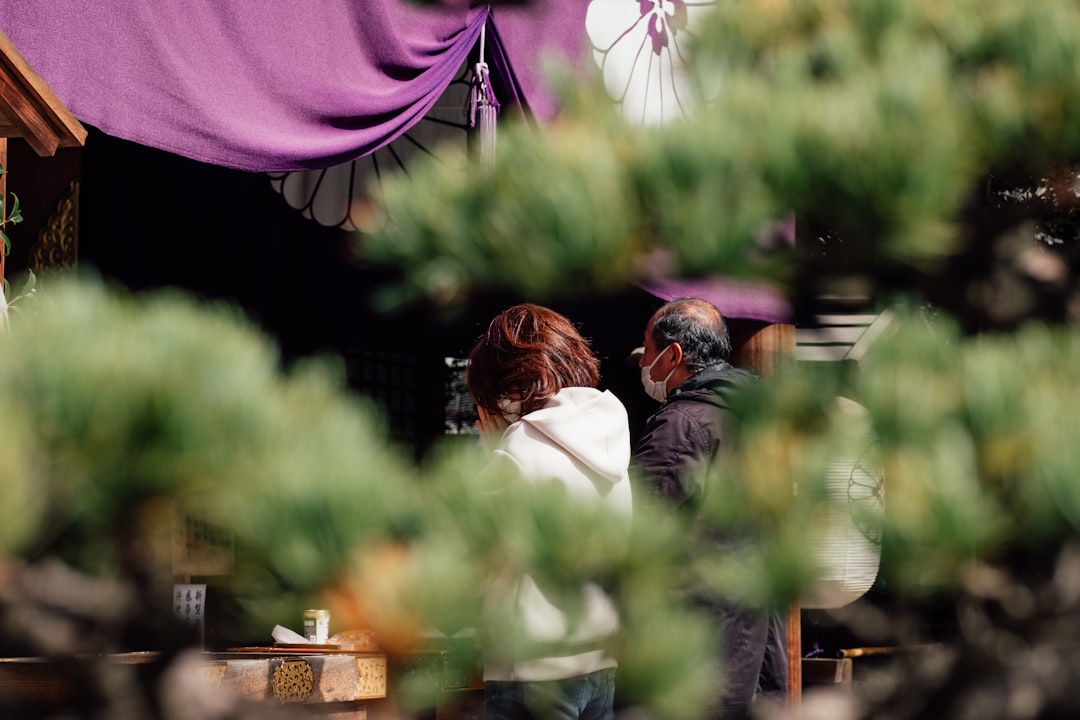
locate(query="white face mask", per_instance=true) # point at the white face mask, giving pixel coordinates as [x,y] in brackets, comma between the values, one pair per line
[511,409]
[656,390]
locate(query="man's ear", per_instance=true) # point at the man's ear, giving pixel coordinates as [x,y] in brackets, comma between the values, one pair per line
[676,348]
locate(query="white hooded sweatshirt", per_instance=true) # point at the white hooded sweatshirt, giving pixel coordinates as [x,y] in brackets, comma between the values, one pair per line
[581,439]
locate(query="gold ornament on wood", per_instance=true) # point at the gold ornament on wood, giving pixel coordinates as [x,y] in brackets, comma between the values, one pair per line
[372,671]
[58,241]
[213,674]
[293,681]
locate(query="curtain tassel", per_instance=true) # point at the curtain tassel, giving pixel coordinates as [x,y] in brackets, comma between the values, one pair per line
[484,112]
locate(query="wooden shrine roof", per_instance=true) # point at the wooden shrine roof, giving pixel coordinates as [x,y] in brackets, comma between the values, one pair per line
[30,110]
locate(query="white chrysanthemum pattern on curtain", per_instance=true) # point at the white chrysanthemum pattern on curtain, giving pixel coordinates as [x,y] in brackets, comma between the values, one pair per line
[334,196]
[640,47]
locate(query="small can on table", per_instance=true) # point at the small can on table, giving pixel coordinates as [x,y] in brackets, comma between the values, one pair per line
[317,626]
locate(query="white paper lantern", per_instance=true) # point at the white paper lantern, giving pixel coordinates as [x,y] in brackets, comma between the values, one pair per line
[846,541]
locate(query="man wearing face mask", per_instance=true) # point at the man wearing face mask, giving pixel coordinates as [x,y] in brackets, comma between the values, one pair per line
[686,368]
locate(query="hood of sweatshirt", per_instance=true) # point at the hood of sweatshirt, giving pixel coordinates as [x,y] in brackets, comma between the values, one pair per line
[587,424]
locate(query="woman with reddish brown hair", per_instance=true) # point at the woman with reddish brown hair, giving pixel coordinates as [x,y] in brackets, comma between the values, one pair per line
[534,379]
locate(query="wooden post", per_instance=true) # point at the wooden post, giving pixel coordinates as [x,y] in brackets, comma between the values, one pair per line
[794,655]
[3,194]
[761,347]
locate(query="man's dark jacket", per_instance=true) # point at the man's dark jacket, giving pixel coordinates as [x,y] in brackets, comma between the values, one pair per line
[689,433]
[692,431]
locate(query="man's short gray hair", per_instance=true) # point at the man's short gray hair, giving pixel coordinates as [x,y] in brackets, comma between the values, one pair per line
[699,328]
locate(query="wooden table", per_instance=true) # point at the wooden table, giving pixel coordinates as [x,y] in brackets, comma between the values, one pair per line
[440,681]
[342,679]
[338,684]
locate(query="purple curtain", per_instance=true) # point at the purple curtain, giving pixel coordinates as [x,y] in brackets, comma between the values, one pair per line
[734,298]
[272,85]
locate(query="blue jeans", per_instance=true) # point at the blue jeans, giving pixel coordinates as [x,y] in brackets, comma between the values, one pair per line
[588,697]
